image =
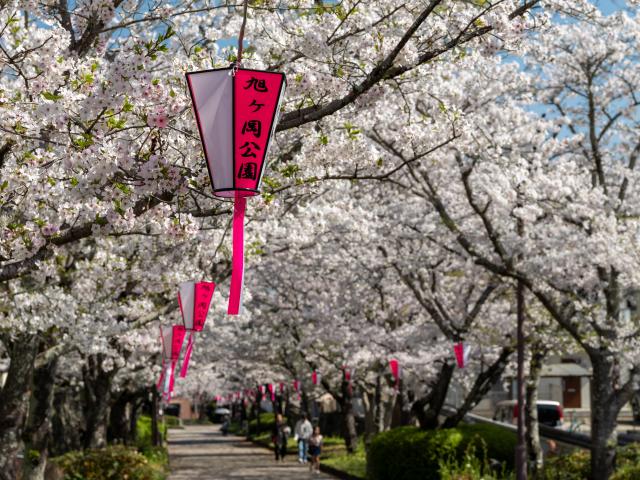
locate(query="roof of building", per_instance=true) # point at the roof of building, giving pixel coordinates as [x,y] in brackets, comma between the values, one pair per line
[565,370]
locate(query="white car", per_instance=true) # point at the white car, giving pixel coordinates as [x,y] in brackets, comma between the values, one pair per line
[549,412]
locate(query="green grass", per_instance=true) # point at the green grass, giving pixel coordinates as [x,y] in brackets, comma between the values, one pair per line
[143,431]
[354,464]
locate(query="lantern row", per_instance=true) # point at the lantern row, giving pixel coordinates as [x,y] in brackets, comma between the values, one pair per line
[461,352]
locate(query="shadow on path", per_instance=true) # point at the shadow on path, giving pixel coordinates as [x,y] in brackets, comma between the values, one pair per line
[200,452]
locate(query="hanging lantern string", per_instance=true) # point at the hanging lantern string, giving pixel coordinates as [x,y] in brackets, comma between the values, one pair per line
[241,36]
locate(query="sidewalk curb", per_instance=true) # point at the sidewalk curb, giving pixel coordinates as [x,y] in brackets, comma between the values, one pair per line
[337,473]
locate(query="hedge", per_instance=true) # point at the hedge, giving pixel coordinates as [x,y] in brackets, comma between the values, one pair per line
[408,453]
[577,465]
[110,463]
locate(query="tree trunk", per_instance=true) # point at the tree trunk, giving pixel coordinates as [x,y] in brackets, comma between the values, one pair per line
[350,432]
[379,406]
[156,438]
[65,421]
[14,402]
[480,387]
[368,400]
[96,399]
[119,421]
[428,408]
[531,409]
[133,419]
[604,412]
[37,432]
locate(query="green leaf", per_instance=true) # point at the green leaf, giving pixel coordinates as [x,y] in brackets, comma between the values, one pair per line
[128,106]
[51,96]
[122,187]
[290,170]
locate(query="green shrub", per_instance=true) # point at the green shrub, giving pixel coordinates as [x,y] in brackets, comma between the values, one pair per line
[172,422]
[574,466]
[143,431]
[629,454]
[500,443]
[627,472]
[474,464]
[110,463]
[408,453]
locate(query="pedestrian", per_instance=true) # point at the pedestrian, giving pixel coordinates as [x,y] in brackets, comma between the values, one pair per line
[303,432]
[279,436]
[315,449]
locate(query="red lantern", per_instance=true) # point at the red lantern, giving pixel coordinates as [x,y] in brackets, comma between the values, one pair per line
[395,371]
[461,351]
[272,391]
[172,339]
[194,299]
[296,387]
[236,111]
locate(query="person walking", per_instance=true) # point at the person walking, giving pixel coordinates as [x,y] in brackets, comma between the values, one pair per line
[279,437]
[315,449]
[303,432]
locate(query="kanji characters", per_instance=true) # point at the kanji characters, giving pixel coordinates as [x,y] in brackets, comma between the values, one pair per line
[256,105]
[248,170]
[249,149]
[252,126]
[257,85]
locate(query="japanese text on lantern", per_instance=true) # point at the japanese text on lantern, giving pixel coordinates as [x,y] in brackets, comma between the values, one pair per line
[256,97]
[203,294]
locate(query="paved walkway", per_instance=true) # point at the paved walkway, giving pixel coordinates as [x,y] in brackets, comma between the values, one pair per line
[200,452]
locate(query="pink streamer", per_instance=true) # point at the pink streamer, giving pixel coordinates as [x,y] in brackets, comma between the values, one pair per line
[458,349]
[237,263]
[173,377]
[187,357]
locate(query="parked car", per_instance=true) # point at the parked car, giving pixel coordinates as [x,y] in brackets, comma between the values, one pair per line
[549,412]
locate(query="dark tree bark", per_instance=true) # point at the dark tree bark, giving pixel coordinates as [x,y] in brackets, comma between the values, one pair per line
[123,417]
[37,432]
[538,354]
[350,433]
[368,399]
[65,421]
[428,408]
[14,401]
[481,386]
[96,400]
[606,402]
[379,406]
[156,437]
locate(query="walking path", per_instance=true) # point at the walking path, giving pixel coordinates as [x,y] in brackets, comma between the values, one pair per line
[200,452]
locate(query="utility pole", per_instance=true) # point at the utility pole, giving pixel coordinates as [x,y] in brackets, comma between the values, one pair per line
[521,447]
